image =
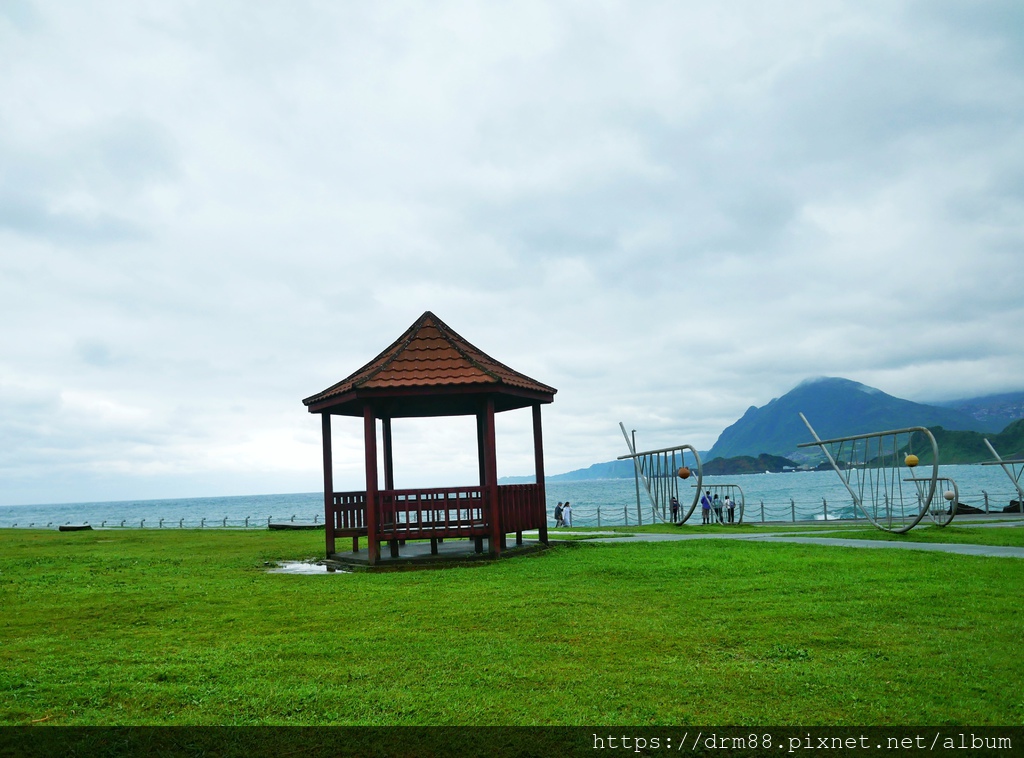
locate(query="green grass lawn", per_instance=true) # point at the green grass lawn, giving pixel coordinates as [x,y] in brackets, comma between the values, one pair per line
[187,627]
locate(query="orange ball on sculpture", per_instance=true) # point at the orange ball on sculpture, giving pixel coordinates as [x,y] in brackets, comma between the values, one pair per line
[684,473]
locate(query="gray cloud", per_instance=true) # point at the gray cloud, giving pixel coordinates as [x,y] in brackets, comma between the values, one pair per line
[669,213]
[78,187]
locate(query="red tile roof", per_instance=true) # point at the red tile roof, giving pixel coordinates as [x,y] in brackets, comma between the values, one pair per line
[430,358]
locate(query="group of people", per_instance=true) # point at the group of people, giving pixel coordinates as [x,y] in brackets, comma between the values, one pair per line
[724,509]
[563,514]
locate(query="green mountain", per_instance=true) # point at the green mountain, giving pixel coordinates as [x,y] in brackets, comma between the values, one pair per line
[609,470]
[969,447]
[836,408]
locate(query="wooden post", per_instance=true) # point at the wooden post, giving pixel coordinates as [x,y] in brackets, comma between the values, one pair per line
[481,444]
[538,462]
[325,429]
[491,470]
[389,470]
[370,449]
[389,460]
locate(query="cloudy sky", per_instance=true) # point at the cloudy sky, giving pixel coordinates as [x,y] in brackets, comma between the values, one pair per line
[669,211]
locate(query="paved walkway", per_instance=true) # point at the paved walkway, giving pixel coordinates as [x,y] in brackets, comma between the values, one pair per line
[940,547]
[465,550]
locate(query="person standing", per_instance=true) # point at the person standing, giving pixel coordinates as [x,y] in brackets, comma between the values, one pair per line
[567,514]
[705,507]
[730,508]
[675,509]
[717,505]
[558,514]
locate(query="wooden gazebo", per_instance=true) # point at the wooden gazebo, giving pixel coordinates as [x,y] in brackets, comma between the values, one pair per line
[431,371]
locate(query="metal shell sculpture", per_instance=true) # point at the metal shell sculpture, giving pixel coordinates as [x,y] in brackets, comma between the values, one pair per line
[873,468]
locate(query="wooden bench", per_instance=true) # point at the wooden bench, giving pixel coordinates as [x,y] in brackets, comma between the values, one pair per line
[418,531]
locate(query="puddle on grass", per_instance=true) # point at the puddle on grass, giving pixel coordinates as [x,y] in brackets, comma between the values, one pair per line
[302,567]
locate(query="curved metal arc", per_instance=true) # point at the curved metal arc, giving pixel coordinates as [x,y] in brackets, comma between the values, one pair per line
[953,504]
[741,504]
[866,435]
[943,518]
[857,500]
[647,486]
[729,489]
[934,478]
[700,483]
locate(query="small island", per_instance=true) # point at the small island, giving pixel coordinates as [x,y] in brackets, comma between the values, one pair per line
[748,464]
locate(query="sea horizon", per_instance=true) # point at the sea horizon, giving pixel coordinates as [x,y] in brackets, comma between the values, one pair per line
[788,496]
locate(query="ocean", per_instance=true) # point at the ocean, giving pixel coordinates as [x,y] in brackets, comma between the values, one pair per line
[796,496]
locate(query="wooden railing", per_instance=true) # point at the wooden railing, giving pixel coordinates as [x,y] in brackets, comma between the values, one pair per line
[439,512]
[436,512]
[349,512]
[521,507]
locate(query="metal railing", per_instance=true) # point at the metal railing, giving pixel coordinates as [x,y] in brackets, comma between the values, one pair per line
[756,510]
[249,522]
[789,510]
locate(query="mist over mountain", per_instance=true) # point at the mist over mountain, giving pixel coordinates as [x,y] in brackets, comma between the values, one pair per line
[1000,409]
[836,408]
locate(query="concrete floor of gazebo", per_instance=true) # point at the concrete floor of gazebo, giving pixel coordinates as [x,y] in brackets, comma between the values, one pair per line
[417,554]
